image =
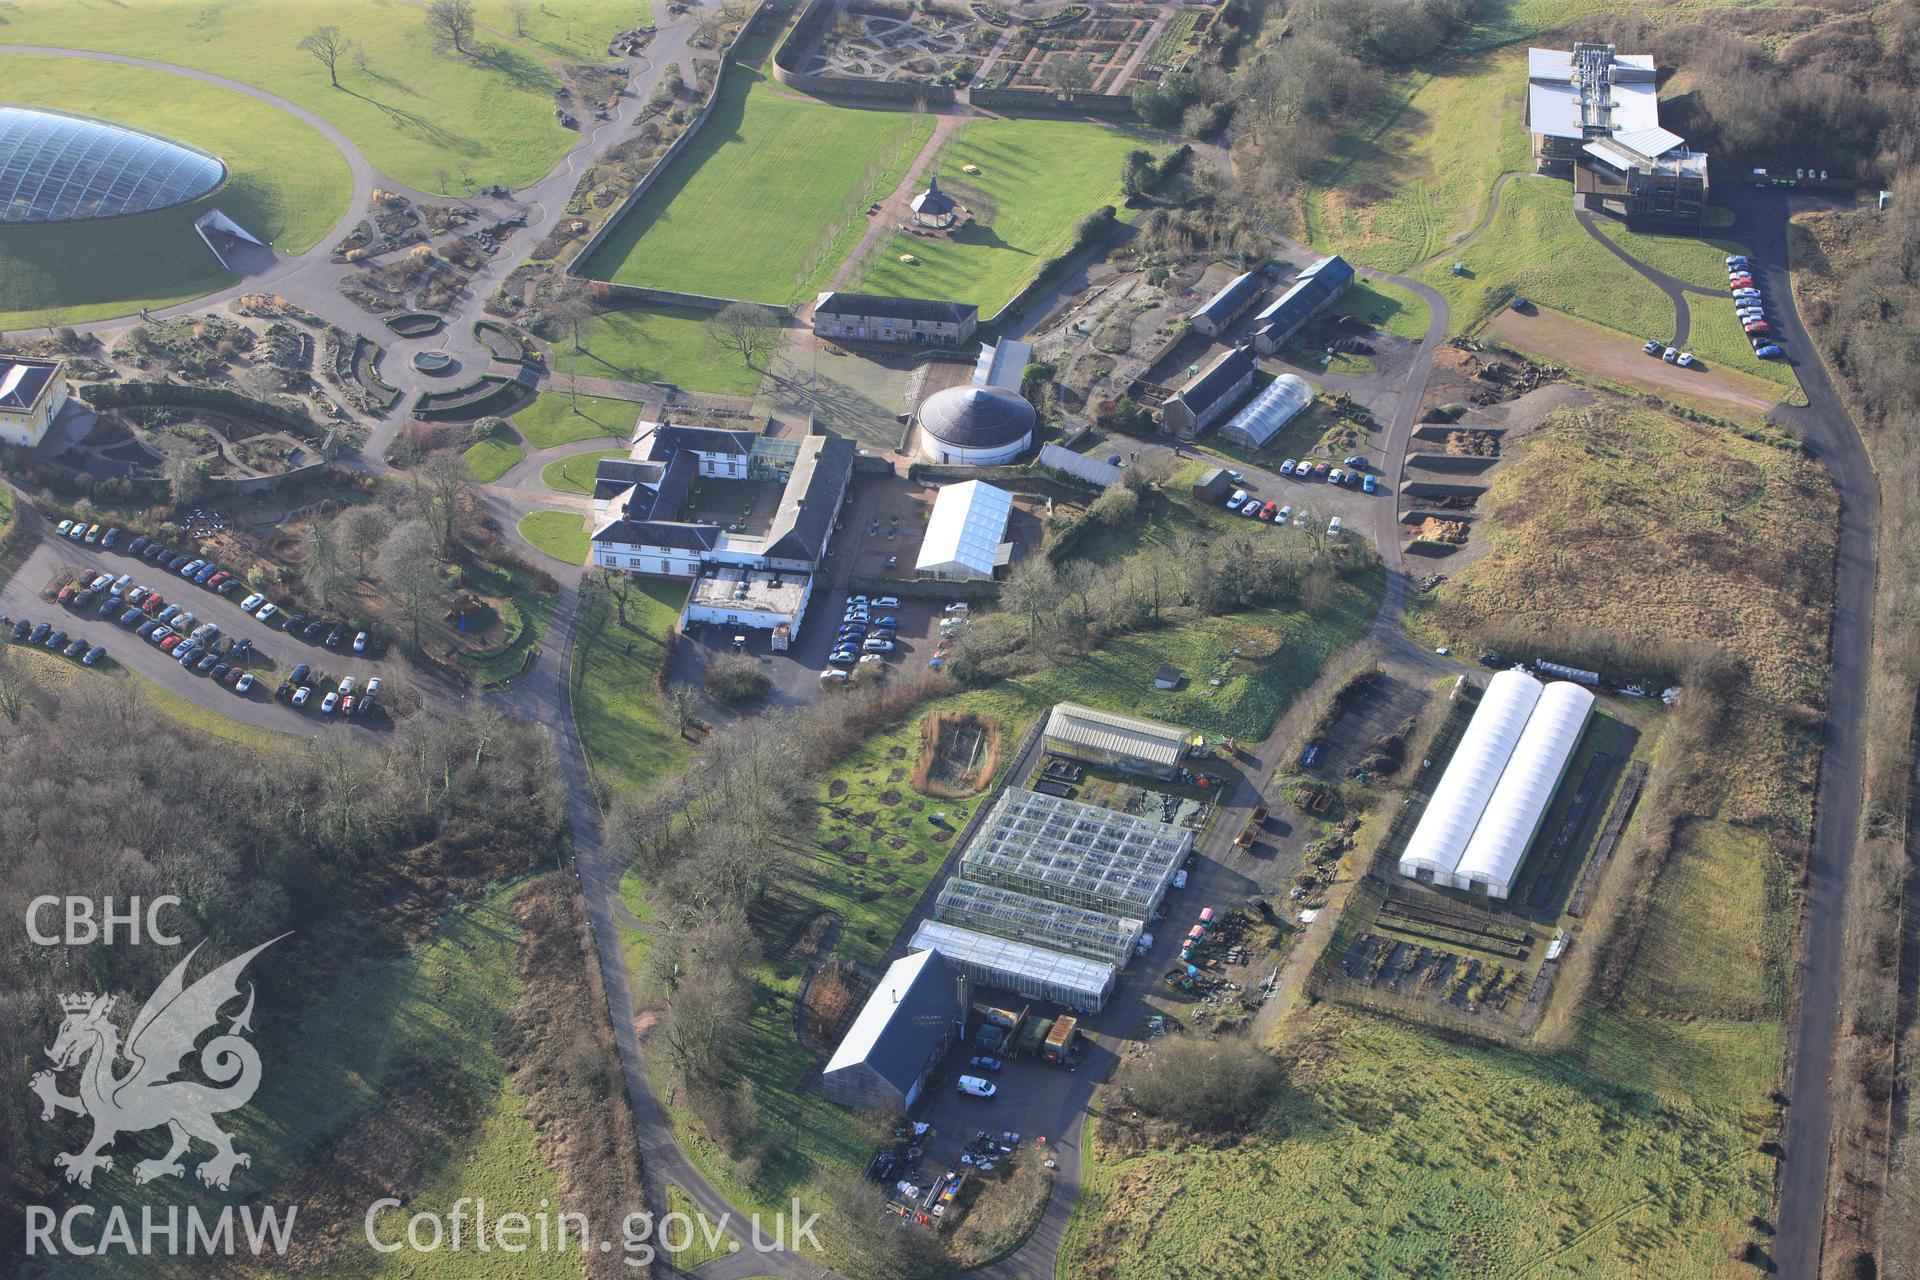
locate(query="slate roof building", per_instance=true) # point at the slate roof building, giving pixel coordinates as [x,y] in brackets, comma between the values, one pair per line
[975,426]
[933,207]
[32,393]
[1226,306]
[1314,288]
[900,1034]
[1209,395]
[866,317]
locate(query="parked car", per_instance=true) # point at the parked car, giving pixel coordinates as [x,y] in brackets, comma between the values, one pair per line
[1334,527]
[40,633]
[63,528]
[76,647]
[266,612]
[168,614]
[110,537]
[346,686]
[139,545]
[1686,360]
[334,637]
[65,594]
[887,602]
[1371,483]
[889,621]
[876,646]
[21,628]
[79,531]
[253,602]
[984,1063]
[206,573]
[1252,510]
[1670,355]
[1319,470]
[55,640]
[171,643]
[312,631]
[1283,515]
[184,621]
[130,617]
[190,568]
[146,628]
[301,695]
[93,534]
[1236,499]
[207,662]
[245,683]
[360,642]
[975,1087]
[120,584]
[1737,260]
[153,605]
[1286,468]
[373,686]
[93,655]
[958,606]
[1267,510]
[1768,352]
[1335,476]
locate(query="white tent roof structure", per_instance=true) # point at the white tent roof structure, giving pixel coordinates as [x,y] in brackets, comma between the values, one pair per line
[964,535]
[1465,788]
[1514,811]
[1269,411]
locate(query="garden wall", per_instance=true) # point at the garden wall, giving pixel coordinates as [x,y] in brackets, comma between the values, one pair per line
[242,486]
[1051,100]
[813,20]
[660,166]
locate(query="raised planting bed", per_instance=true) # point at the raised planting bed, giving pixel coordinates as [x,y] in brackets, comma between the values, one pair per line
[502,343]
[415,324]
[485,395]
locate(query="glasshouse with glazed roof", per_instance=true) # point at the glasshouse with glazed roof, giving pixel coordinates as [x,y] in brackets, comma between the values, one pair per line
[964,533]
[61,168]
[1080,854]
[1009,913]
[1035,972]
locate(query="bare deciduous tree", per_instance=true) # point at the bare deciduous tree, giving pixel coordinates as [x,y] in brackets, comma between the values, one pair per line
[320,563]
[408,568]
[750,332]
[328,46]
[519,9]
[362,530]
[443,485]
[618,584]
[685,705]
[452,21]
[572,304]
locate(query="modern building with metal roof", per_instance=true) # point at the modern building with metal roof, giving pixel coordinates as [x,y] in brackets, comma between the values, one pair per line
[1009,913]
[1593,115]
[1224,307]
[1003,364]
[1492,858]
[1037,973]
[896,1041]
[61,168]
[965,534]
[1276,405]
[1095,471]
[977,426]
[1079,854]
[1126,743]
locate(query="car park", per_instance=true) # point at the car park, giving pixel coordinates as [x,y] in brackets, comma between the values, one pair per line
[301,695]
[245,683]
[93,655]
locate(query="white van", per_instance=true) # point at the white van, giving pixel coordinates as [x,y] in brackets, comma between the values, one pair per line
[1333,527]
[976,1087]
[887,602]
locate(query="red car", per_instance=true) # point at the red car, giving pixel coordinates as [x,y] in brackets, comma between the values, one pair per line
[213,583]
[1757,326]
[1740,281]
[1266,512]
[171,643]
[154,603]
[66,593]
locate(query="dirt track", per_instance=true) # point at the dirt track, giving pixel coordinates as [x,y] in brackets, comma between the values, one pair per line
[1617,358]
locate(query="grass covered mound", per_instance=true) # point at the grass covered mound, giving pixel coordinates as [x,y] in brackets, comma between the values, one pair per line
[285,184]
[1659,533]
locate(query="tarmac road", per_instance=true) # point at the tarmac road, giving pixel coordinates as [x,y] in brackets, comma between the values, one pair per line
[1832,440]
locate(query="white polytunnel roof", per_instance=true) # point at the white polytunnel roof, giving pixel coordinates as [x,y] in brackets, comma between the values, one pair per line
[1269,411]
[1514,811]
[1441,837]
[964,534]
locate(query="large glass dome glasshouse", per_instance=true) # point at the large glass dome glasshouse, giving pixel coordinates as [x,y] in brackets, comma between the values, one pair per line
[61,168]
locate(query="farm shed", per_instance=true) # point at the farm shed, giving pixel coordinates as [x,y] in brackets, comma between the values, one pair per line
[1214,485]
[1224,307]
[1207,396]
[1080,854]
[1111,741]
[964,534]
[1003,364]
[1034,972]
[1540,758]
[1009,913]
[1078,465]
[1433,852]
[1276,405]
[900,1034]
[1315,287]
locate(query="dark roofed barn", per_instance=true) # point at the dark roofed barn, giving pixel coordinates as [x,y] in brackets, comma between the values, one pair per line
[1210,394]
[1318,285]
[897,1039]
[867,317]
[1225,306]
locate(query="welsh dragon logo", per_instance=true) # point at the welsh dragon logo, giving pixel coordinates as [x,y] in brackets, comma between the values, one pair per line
[145,1095]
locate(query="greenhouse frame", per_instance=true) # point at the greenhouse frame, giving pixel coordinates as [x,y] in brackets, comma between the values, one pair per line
[1433,852]
[1080,854]
[1278,403]
[1513,814]
[1022,968]
[964,533]
[987,908]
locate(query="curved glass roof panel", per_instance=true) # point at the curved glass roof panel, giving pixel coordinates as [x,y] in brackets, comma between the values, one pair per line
[61,168]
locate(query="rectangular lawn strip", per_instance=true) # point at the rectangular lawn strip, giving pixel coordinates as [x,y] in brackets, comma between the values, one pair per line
[753,205]
[575,474]
[559,417]
[285,183]
[668,344]
[427,119]
[1038,180]
[491,459]
[576,31]
[560,534]
[1535,248]
[624,729]
[1420,176]
[1715,335]
[1697,260]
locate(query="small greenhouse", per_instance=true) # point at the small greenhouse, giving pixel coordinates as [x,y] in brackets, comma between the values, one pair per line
[1034,972]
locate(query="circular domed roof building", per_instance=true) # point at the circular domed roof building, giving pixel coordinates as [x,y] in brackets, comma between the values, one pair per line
[975,426]
[62,168]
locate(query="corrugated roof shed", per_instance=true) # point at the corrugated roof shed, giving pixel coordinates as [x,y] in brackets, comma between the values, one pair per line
[1146,739]
[1222,306]
[1092,470]
[1035,972]
[1002,364]
[915,999]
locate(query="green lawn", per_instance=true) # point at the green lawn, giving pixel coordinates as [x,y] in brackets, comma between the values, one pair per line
[432,120]
[624,729]
[1404,187]
[491,459]
[575,474]
[560,534]
[525,611]
[576,31]
[286,183]
[767,198]
[557,417]
[665,345]
[1038,179]
[1535,247]
[1390,307]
